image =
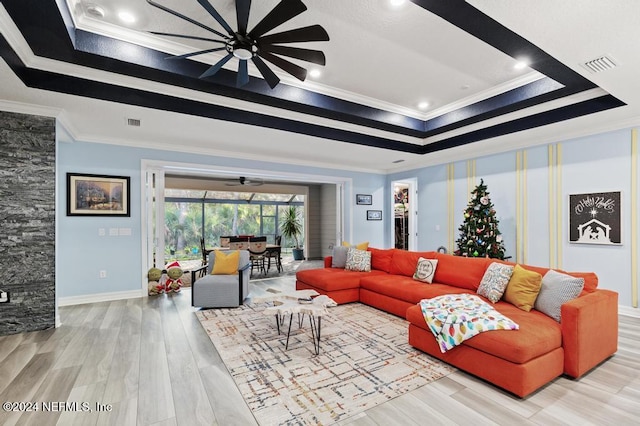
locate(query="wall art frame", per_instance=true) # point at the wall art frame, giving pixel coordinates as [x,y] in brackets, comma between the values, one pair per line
[374,214]
[98,195]
[595,218]
[364,199]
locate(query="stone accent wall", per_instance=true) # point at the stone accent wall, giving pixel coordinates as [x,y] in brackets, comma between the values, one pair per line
[27,222]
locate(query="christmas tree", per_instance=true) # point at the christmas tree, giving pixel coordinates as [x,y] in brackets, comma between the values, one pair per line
[479,234]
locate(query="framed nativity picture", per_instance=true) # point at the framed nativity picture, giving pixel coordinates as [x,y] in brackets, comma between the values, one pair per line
[595,218]
[98,195]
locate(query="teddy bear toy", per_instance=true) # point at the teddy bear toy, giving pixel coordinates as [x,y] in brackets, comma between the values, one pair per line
[174,280]
[154,275]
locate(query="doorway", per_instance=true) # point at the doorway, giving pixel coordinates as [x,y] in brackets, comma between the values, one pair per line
[404,202]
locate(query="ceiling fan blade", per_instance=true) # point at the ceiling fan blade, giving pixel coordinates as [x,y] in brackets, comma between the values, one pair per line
[293,69]
[190,37]
[216,67]
[242,13]
[304,34]
[314,56]
[214,13]
[285,10]
[243,73]
[269,76]
[200,52]
[186,18]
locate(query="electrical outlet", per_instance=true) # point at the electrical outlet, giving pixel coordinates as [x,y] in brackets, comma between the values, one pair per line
[4,296]
[103,274]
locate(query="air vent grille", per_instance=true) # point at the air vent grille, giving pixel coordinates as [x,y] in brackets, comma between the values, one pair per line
[133,122]
[600,64]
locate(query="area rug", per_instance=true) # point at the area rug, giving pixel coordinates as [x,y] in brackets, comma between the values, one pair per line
[364,360]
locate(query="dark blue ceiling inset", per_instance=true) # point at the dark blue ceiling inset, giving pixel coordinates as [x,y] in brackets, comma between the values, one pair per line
[47,28]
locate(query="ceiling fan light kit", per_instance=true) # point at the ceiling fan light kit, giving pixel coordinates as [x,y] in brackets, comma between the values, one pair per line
[254,45]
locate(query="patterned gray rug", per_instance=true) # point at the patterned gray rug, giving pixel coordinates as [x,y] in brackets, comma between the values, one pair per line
[364,360]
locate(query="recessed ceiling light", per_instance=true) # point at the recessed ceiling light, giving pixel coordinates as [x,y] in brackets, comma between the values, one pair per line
[396,2]
[126,17]
[520,65]
[423,105]
[95,10]
[314,73]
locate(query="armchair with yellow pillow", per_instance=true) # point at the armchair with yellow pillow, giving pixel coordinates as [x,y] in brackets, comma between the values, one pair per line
[226,283]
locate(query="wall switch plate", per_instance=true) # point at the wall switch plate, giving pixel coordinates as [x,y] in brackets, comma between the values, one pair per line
[103,274]
[101,232]
[4,296]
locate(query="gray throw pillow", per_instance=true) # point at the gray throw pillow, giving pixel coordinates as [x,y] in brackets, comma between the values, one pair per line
[556,290]
[339,259]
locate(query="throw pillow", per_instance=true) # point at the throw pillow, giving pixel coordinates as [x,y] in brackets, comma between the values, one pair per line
[556,290]
[494,281]
[226,263]
[339,257]
[425,270]
[523,288]
[360,246]
[358,260]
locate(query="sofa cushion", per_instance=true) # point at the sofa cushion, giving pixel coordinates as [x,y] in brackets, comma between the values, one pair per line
[332,279]
[406,288]
[460,271]
[358,260]
[226,263]
[557,289]
[425,270]
[404,262]
[523,288]
[494,281]
[339,256]
[381,259]
[538,334]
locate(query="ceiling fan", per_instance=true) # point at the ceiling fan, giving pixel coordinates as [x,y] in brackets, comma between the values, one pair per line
[243,181]
[254,45]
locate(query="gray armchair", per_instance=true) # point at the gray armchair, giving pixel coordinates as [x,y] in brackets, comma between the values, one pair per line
[220,291]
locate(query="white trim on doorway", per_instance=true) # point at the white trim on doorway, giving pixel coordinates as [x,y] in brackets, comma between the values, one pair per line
[160,168]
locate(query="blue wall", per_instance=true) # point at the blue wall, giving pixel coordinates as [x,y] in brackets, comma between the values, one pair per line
[530,190]
[82,253]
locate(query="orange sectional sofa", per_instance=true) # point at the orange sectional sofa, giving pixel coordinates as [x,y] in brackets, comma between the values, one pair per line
[518,361]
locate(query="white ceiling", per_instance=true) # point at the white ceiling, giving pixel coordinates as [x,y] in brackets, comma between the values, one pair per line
[378,55]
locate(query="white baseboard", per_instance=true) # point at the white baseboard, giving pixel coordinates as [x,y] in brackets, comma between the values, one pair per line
[101,297]
[629,311]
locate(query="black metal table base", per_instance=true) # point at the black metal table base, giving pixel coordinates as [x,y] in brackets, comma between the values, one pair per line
[316,328]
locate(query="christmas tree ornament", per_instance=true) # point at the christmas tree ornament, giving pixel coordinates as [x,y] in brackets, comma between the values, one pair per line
[484,200]
[475,253]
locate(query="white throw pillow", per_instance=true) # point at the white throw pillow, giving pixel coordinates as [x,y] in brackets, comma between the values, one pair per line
[358,260]
[425,270]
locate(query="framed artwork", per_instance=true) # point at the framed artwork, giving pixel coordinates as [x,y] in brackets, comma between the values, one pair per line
[364,199]
[374,214]
[595,218]
[98,195]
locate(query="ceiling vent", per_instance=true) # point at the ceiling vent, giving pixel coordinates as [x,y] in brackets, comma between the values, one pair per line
[600,64]
[133,122]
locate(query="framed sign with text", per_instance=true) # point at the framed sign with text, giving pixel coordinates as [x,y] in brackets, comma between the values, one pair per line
[595,218]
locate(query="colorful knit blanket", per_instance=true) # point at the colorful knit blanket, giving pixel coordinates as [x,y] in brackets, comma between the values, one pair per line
[454,318]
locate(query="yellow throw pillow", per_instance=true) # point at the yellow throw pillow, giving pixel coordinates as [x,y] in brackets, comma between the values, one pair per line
[523,288]
[361,246]
[225,263]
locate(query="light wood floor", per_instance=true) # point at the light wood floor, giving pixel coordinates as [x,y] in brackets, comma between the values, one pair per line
[152,361]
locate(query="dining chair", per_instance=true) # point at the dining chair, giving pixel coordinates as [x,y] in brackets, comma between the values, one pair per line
[224,241]
[239,243]
[275,253]
[257,253]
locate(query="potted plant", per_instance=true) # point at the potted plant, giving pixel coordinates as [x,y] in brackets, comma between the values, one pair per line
[291,228]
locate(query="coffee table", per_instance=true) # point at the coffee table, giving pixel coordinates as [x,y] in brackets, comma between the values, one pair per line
[290,304]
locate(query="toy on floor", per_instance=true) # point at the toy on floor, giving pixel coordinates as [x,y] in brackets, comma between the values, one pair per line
[174,280]
[154,276]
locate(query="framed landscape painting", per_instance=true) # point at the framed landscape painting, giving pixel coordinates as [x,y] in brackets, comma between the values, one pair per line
[98,195]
